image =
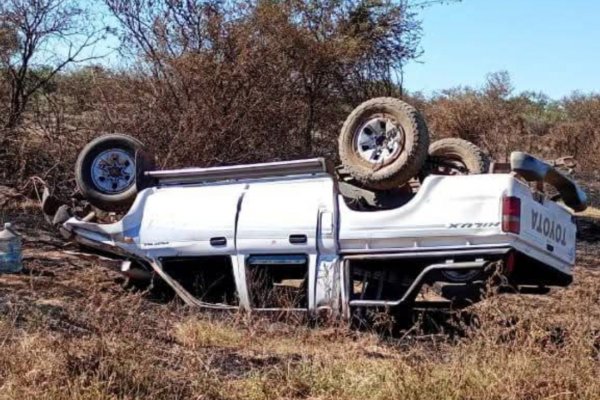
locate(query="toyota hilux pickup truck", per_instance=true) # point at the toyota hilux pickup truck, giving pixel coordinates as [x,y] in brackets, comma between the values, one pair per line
[293,235]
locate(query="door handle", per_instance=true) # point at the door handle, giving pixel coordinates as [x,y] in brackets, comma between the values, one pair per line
[298,239]
[218,241]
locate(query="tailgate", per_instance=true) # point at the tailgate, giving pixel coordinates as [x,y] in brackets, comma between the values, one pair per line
[545,225]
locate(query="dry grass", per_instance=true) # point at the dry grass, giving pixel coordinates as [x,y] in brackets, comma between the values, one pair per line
[68,330]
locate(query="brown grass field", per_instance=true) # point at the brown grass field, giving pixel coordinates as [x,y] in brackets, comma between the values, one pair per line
[69,330]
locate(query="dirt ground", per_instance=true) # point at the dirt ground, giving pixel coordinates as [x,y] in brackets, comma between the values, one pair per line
[70,329]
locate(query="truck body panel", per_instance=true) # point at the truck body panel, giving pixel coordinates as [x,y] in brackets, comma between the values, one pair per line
[273,223]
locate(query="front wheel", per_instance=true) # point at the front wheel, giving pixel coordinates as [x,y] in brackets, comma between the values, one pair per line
[105,171]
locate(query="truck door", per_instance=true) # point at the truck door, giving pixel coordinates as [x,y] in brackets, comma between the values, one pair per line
[191,231]
[190,221]
[278,241]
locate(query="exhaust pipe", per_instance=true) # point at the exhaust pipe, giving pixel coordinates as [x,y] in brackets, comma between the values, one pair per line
[134,272]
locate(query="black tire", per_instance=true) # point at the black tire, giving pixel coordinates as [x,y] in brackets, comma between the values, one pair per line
[457,156]
[95,194]
[412,151]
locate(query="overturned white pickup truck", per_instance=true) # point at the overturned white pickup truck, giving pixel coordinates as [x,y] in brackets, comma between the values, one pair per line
[297,235]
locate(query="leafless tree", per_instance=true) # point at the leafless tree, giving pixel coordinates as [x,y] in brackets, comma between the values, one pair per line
[261,79]
[41,33]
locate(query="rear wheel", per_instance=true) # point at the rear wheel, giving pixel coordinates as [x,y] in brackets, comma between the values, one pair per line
[106,171]
[383,143]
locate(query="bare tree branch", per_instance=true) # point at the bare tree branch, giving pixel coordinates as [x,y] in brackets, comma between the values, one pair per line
[39,25]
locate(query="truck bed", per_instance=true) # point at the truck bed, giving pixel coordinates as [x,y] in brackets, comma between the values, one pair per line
[463,213]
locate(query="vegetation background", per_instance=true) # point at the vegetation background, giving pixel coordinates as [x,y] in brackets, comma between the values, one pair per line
[217,82]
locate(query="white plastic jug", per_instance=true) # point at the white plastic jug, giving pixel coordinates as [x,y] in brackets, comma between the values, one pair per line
[10,250]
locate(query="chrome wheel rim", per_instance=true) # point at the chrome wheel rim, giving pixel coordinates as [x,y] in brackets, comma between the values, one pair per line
[113,171]
[379,140]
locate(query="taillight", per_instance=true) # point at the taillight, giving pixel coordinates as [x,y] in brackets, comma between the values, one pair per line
[511,214]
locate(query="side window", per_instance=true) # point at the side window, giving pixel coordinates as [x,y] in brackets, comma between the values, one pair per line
[277,281]
[208,278]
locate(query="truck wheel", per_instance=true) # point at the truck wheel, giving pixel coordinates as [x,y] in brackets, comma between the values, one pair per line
[105,171]
[383,143]
[454,156]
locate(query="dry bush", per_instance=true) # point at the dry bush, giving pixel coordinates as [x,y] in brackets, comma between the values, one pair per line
[216,83]
[213,84]
[502,122]
[259,80]
[267,119]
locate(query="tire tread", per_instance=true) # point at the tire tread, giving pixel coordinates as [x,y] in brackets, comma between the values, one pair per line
[392,175]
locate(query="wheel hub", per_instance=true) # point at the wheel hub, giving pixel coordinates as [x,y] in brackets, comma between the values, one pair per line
[379,140]
[113,171]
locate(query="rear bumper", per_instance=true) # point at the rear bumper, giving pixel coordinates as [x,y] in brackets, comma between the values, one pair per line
[549,261]
[531,272]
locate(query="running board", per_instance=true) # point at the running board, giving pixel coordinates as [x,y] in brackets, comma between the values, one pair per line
[238,172]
